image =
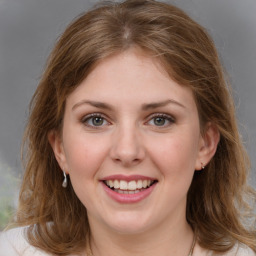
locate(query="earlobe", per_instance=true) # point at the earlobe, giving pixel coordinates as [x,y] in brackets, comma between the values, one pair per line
[57,147]
[207,146]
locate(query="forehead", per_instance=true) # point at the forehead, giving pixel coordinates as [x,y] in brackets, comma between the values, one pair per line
[131,76]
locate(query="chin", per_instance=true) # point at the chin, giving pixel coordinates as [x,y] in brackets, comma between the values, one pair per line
[128,223]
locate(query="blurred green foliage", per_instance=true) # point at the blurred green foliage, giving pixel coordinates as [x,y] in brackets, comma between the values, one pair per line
[8,194]
[6,212]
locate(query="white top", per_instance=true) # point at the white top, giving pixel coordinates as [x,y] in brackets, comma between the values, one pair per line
[13,243]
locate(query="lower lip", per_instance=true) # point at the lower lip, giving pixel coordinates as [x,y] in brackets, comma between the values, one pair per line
[128,198]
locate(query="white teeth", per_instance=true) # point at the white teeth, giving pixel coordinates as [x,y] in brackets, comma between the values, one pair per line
[116,184]
[144,183]
[128,191]
[139,184]
[131,186]
[111,183]
[123,184]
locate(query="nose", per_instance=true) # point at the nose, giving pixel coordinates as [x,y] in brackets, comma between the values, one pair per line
[127,146]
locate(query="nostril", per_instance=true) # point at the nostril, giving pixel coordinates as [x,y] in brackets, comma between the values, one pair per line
[127,149]
[127,161]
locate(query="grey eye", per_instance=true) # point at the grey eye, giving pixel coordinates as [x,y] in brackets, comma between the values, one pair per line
[94,121]
[97,121]
[159,121]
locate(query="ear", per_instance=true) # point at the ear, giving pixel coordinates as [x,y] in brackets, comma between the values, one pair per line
[56,143]
[207,146]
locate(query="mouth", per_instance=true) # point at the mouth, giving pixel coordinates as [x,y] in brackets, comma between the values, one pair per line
[129,187]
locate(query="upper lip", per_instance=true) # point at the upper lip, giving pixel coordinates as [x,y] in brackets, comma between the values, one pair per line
[127,178]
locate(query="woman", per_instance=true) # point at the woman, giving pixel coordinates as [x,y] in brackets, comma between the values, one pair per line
[132,143]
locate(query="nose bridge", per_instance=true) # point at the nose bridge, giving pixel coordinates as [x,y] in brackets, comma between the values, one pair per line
[127,147]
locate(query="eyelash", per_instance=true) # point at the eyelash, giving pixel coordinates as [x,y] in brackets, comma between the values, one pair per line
[86,119]
[166,117]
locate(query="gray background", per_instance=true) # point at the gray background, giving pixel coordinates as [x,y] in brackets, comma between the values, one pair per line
[29,28]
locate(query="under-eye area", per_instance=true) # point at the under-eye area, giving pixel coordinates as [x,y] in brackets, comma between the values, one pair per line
[129,187]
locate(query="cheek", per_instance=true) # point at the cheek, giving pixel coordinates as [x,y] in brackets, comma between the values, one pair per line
[175,155]
[84,155]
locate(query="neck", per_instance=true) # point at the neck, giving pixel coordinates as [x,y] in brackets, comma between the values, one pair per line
[165,240]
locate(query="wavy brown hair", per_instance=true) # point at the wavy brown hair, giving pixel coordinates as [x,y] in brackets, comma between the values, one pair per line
[217,203]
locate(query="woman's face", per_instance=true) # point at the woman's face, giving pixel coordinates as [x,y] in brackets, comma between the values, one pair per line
[130,126]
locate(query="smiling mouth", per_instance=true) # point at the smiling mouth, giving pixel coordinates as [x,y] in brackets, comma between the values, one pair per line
[131,187]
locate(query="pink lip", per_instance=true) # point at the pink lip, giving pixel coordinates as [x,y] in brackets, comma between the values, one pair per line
[127,178]
[128,198]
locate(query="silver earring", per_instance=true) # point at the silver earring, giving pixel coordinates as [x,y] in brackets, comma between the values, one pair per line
[202,166]
[65,181]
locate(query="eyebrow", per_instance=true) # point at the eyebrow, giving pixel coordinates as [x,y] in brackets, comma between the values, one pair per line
[144,107]
[96,104]
[161,104]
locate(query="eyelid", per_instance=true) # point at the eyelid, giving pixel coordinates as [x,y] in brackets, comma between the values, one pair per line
[160,114]
[168,117]
[85,118]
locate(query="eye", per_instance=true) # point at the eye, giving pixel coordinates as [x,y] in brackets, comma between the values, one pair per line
[95,120]
[161,120]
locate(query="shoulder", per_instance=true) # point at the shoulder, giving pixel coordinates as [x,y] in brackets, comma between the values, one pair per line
[13,243]
[238,250]
[241,250]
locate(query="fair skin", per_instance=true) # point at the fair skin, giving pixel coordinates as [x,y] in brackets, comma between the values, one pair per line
[129,118]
